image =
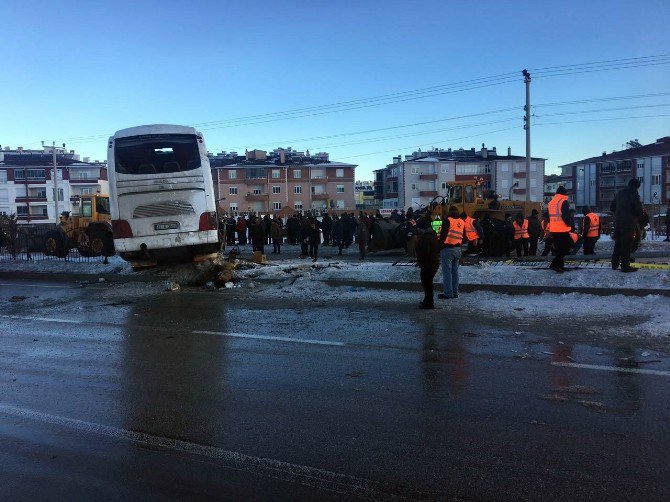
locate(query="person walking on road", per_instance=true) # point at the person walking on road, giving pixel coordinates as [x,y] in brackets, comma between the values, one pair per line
[590,230]
[427,259]
[451,238]
[362,236]
[534,232]
[314,236]
[560,225]
[628,213]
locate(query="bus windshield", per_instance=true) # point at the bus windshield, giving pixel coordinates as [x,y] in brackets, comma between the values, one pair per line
[156,154]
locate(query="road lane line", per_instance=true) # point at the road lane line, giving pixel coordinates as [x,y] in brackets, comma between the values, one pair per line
[293,473]
[271,338]
[45,319]
[642,371]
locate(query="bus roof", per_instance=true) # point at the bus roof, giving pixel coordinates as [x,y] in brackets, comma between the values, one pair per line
[154,129]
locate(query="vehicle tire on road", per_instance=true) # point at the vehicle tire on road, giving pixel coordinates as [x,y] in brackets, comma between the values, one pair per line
[54,244]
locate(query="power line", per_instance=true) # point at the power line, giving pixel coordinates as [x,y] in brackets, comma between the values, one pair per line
[605,110]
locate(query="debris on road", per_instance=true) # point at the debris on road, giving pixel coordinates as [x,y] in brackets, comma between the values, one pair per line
[355,374]
[554,397]
[17,298]
[172,286]
[577,389]
[593,405]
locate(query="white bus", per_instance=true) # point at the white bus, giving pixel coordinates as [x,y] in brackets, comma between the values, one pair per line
[161,194]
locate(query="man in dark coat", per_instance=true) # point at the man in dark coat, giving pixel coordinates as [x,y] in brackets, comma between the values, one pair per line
[314,236]
[362,236]
[230,230]
[667,225]
[275,234]
[257,234]
[534,231]
[628,212]
[338,230]
[508,233]
[303,237]
[267,223]
[241,231]
[427,259]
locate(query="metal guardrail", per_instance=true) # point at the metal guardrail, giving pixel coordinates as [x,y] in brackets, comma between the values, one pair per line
[28,245]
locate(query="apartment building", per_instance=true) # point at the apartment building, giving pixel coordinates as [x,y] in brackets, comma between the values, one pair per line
[551,184]
[282,180]
[27,182]
[364,192]
[416,180]
[597,179]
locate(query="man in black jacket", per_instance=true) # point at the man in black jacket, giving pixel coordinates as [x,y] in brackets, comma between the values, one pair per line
[628,211]
[427,259]
[534,231]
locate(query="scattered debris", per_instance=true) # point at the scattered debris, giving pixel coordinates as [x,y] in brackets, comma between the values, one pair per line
[172,286]
[355,374]
[570,358]
[229,285]
[468,333]
[519,308]
[594,405]
[517,332]
[209,286]
[538,422]
[17,298]
[645,354]
[577,389]
[628,362]
[548,353]
[554,397]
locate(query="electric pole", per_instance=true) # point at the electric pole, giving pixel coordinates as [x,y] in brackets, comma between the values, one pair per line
[53,151]
[526,126]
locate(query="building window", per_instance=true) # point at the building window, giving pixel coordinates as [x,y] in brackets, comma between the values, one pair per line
[258,191]
[298,205]
[83,175]
[3,176]
[297,173]
[232,190]
[414,170]
[276,206]
[339,204]
[656,179]
[505,184]
[84,191]
[444,168]
[339,173]
[60,194]
[415,186]
[233,207]
[22,210]
[504,167]
[275,174]
[276,189]
[444,185]
[297,189]
[232,174]
[339,189]
[533,166]
[533,183]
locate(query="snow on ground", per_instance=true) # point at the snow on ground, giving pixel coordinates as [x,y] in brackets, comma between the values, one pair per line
[486,273]
[651,313]
[55,265]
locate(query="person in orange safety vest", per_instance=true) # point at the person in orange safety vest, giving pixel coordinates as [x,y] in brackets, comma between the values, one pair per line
[474,234]
[521,234]
[451,239]
[590,230]
[560,226]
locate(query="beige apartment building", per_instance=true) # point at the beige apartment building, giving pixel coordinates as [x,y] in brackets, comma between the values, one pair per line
[282,181]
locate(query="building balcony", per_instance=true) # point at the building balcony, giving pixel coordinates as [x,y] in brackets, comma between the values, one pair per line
[32,217]
[428,176]
[322,180]
[257,197]
[84,181]
[31,199]
[427,193]
[519,191]
[391,178]
[320,196]
[520,175]
[391,195]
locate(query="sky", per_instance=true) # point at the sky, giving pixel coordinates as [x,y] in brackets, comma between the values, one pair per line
[76,72]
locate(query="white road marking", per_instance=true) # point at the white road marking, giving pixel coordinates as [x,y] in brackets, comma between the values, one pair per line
[293,473]
[44,319]
[23,284]
[642,371]
[195,332]
[272,338]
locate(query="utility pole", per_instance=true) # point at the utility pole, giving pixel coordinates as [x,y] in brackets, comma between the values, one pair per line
[526,126]
[53,151]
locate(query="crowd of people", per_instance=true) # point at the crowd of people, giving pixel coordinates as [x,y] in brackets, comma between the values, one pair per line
[305,230]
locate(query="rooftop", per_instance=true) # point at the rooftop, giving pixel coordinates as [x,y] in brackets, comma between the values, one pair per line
[660,147]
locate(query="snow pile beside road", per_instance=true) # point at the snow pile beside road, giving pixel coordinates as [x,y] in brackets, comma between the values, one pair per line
[115,266]
[485,274]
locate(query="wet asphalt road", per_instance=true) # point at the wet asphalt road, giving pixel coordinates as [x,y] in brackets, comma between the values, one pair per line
[127,392]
